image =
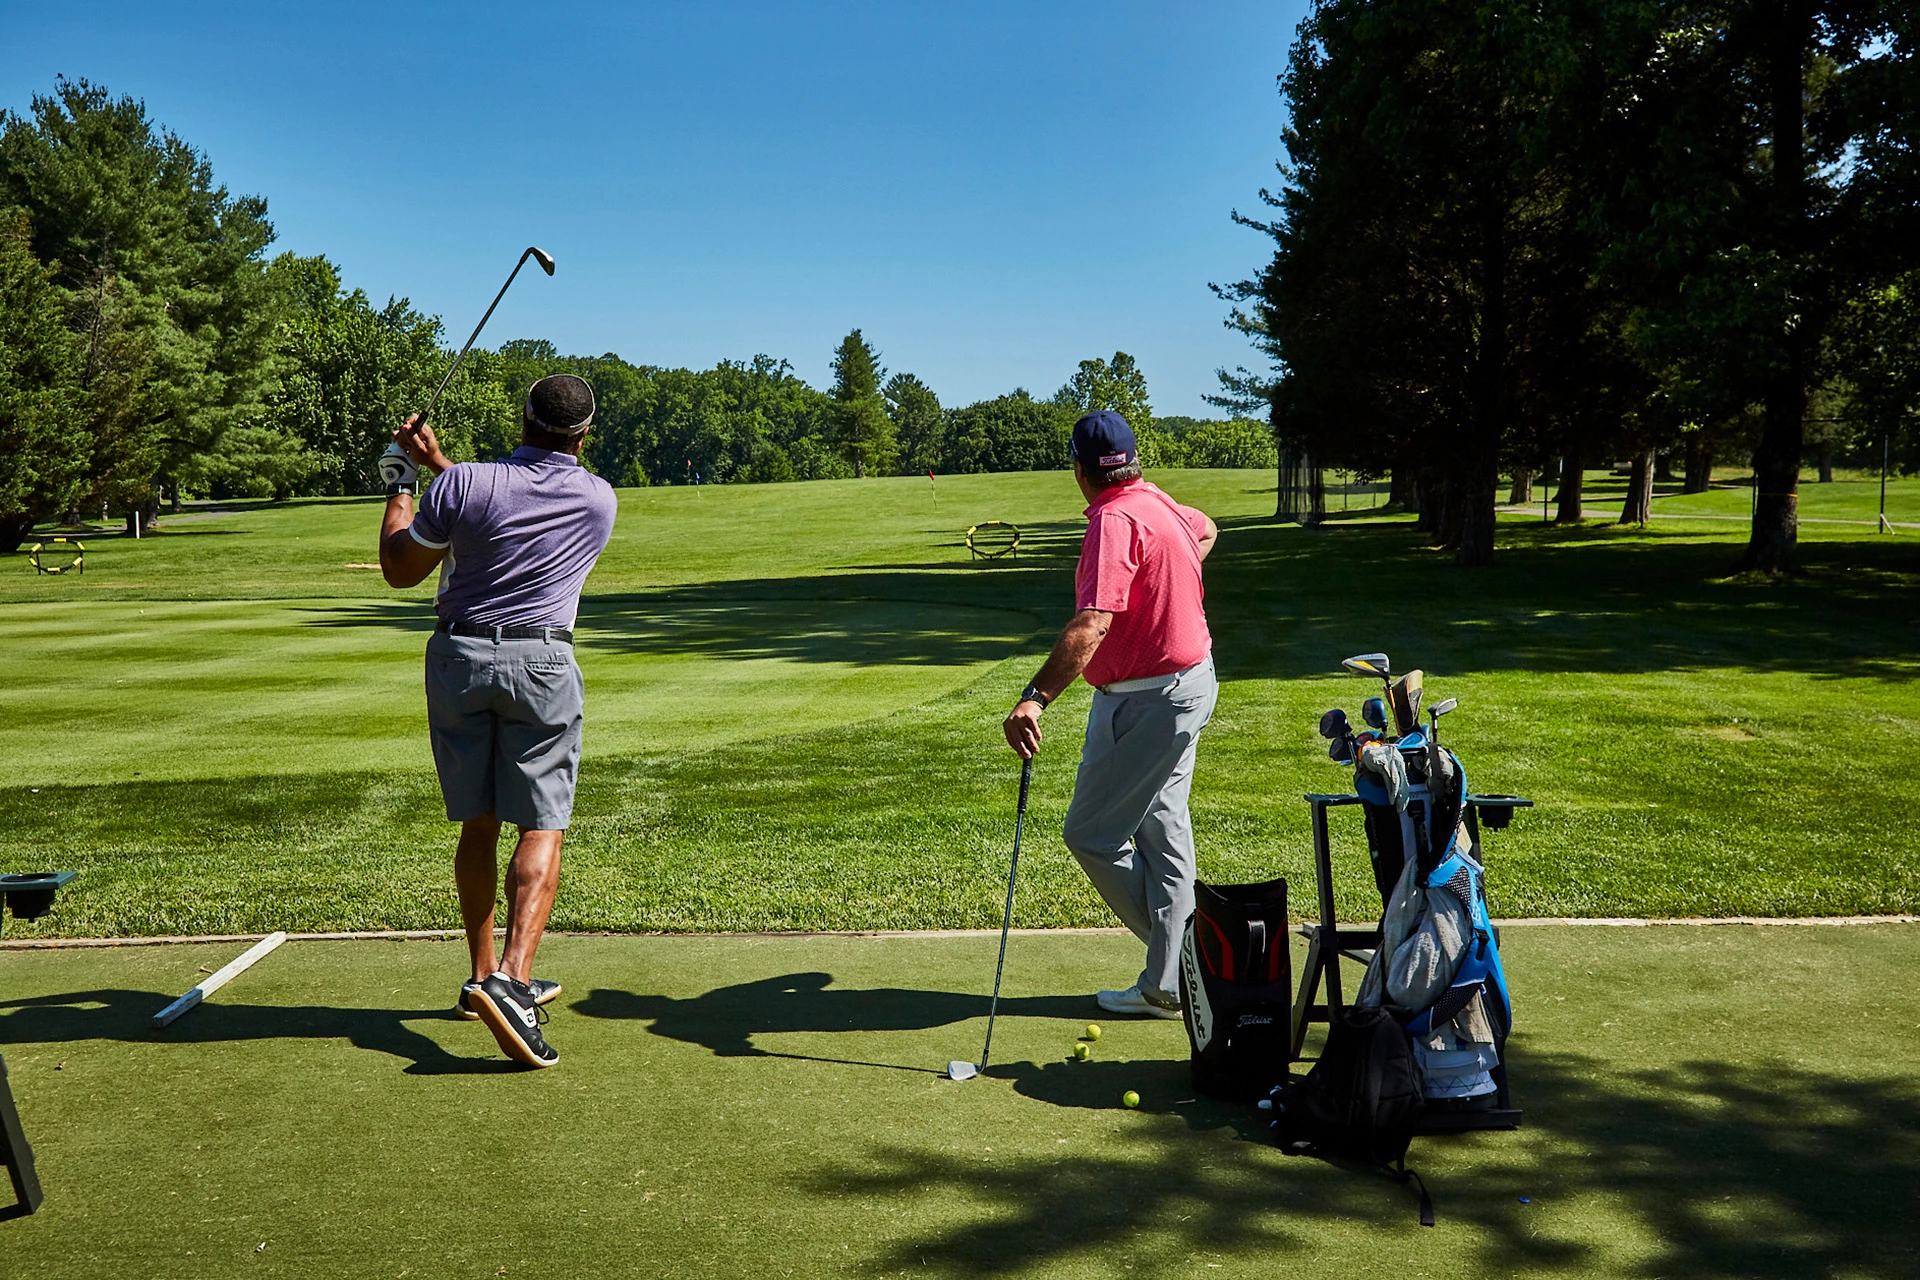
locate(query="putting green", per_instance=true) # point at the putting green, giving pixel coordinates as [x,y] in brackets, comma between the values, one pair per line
[1705,1102]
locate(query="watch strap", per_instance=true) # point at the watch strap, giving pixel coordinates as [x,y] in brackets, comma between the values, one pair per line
[1032,694]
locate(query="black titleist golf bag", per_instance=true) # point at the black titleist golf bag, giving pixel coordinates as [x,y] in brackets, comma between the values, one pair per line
[1236,980]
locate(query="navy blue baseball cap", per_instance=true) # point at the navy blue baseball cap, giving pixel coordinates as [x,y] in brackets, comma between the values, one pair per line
[1101,441]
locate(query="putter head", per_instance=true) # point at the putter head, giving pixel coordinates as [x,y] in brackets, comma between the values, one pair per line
[1369,664]
[1374,712]
[961,1071]
[542,257]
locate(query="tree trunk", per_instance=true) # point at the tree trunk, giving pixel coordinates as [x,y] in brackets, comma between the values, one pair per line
[1776,463]
[1316,494]
[1427,499]
[1638,508]
[1480,489]
[1550,474]
[148,513]
[1776,473]
[1453,509]
[1400,490]
[1826,462]
[859,471]
[1522,493]
[1699,464]
[1663,467]
[1572,483]
[14,530]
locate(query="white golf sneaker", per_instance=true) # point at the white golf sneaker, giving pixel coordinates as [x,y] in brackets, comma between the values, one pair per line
[1132,1000]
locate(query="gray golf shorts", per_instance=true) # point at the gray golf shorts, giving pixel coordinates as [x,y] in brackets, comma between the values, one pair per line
[505,722]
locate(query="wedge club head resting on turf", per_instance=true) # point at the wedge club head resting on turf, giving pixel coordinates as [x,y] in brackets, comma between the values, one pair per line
[958,1070]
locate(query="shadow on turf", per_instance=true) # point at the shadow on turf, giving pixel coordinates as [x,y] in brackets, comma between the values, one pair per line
[726,1019]
[1700,1170]
[880,621]
[112,1014]
[1286,602]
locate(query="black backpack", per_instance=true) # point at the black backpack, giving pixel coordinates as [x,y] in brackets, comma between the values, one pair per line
[1236,980]
[1361,1100]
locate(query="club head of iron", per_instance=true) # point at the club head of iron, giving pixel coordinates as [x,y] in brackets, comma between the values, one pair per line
[1441,708]
[542,257]
[1369,664]
[962,1071]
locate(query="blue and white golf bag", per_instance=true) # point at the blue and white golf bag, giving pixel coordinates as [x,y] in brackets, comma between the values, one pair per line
[1437,969]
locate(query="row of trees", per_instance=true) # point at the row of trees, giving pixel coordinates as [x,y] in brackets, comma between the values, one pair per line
[1514,239]
[150,347]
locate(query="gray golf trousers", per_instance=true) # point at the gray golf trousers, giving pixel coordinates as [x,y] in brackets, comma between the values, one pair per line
[1128,824]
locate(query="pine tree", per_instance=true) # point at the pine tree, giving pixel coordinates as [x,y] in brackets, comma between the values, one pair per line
[862,429]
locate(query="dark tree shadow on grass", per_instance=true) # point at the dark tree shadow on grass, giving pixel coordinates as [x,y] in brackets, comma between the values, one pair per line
[114,1014]
[1727,1171]
[879,623]
[1285,602]
[726,1019]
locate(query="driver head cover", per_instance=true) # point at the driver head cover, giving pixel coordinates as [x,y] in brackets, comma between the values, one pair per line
[560,404]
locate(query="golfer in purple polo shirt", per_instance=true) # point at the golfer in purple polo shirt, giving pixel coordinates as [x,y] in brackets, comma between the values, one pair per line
[514,540]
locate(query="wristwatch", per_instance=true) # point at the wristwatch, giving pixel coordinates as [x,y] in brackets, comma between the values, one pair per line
[1032,694]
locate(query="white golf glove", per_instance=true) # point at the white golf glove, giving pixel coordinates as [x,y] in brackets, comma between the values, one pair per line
[398,472]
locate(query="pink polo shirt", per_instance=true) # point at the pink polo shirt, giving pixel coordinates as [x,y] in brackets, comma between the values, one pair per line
[1141,563]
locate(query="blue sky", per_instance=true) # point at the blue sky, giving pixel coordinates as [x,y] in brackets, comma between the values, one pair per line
[992,192]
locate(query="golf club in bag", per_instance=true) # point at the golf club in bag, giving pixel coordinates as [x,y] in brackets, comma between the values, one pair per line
[540,256]
[966,1070]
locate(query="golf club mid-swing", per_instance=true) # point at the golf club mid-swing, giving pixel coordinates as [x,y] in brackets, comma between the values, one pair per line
[967,1070]
[545,260]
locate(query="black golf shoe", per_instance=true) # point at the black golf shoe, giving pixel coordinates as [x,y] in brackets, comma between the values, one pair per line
[544,992]
[512,1014]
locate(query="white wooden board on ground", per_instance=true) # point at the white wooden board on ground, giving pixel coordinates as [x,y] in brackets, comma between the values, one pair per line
[227,973]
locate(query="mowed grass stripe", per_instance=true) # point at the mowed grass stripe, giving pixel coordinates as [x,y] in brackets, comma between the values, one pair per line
[808,737]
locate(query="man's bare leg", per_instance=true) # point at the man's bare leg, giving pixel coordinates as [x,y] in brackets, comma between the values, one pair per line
[476,874]
[533,877]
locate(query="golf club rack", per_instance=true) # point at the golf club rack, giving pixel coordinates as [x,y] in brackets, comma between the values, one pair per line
[1433,961]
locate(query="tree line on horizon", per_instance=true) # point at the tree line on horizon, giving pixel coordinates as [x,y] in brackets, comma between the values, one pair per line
[151,349]
[1522,241]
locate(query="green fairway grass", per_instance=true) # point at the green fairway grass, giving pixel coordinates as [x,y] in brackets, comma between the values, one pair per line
[1700,1102]
[794,694]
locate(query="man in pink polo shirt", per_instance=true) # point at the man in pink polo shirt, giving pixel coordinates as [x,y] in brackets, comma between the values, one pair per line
[1140,639]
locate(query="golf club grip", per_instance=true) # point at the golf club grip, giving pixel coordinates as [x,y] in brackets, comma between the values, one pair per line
[1026,781]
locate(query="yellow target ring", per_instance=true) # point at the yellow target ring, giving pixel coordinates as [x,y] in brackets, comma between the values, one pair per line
[1011,549]
[79,563]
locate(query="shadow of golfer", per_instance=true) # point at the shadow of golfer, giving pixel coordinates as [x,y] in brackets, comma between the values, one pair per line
[115,1014]
[726,1019]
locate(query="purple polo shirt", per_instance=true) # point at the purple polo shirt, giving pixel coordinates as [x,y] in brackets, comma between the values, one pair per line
[521,535]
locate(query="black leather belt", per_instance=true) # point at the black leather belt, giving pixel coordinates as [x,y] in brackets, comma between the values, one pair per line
[478,632]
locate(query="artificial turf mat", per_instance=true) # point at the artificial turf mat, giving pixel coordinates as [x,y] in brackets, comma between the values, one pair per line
[1724,1101]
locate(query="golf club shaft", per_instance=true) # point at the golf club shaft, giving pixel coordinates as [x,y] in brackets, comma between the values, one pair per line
[1006,920]
[474,336]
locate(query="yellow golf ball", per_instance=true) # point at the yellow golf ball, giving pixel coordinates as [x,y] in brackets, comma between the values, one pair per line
[1082,1052]
[1129,1099]
[1092,1032]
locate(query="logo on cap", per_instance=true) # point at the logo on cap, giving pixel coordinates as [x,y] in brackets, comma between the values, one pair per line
[1113,459]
